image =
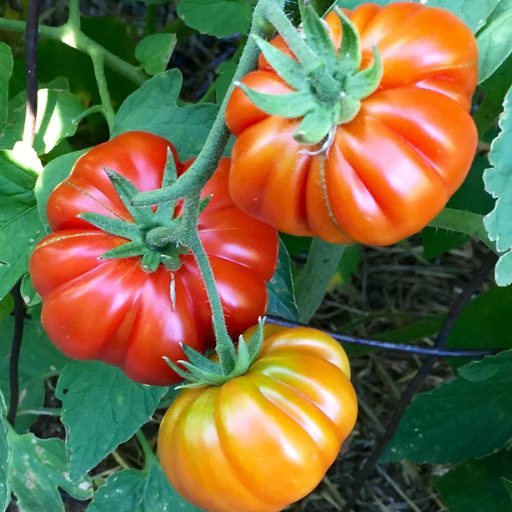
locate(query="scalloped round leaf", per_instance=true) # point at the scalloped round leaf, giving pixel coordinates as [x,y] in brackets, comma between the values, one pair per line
[154,52]
[101,408]
[6,65]
[139,491]
[477,485]
[153,108]
[219,18]
[37,469]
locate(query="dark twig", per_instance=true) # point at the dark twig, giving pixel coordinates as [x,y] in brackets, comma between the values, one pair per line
[396,347]
[19,317]
[31,57]
[29,131]
[455,311]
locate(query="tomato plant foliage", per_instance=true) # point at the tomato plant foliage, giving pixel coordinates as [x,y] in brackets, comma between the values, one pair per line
[254,443]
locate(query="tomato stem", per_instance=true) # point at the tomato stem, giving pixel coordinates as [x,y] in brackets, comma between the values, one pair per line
[196,177]
[224,345]
[463,222]
[98,60]
[323,260]
[188,235]
[325,85]
[74,14]
[69,35]
[148,452]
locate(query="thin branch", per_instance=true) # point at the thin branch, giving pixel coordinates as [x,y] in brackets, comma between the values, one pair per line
[192,181]
[457,308]
[66,34]
[463,222]
[29,129]
[19,318]
[99,72]
[395,347]
[74,14]
[148,452]
[323,260]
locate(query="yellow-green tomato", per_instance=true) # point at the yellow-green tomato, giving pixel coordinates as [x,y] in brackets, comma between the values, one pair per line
[263,440]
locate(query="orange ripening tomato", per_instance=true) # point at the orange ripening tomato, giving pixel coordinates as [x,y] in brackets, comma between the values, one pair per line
[392,168]
[265,439]
[115,311]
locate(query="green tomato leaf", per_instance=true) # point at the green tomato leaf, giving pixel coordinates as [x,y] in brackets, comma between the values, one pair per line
[20,227]
[55,172]
[473,14]
[293,104]
[494,44]
[101,408]
[226,72]
[498,182]
[153,108]
[485,323]
[508,486]
[139,491]
[437,241]
[154,52]
[6,306]
[470,197]
[281,298]
[5,452]
[37,469]
[477,485]
[287,68]
[297,246]
[317,35]
[219,18]
[495,89]
[20,166]
[39,360]
[6,65]
[30,296]
[503,5]
[57,109]
[494,368]
[467,417]
[349,263]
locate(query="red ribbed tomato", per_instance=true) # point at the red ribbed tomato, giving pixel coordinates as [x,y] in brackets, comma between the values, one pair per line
[393,167]
[263,440]
[114,311]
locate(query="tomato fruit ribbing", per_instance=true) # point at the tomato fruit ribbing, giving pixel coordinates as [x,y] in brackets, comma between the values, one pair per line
[392,168]
[115,311]
[265,439]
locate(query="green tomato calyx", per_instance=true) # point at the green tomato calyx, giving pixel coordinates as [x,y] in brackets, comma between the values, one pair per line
[203,371]
[157,237]
[329,86]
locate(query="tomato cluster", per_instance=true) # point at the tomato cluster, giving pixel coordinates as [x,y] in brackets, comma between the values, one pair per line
[264,439]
